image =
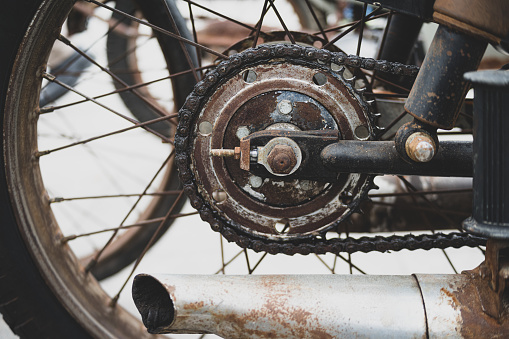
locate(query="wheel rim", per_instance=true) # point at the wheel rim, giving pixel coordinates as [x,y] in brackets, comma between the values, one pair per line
[30,201]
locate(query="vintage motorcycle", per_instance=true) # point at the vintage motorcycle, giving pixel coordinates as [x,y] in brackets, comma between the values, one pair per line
[278,141]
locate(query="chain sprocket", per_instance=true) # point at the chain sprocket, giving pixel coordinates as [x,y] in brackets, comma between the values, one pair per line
[318,244]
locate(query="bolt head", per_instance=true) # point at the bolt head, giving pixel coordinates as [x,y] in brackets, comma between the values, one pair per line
[420,147]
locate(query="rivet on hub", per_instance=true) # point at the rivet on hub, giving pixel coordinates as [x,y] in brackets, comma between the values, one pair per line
[285,107]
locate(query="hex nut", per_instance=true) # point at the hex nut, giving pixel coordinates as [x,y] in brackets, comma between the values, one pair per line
[282,159]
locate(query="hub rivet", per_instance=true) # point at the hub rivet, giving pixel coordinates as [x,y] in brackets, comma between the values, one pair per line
[255,181]
[285,107]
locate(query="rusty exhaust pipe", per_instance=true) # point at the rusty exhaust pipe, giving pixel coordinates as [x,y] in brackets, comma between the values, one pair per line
[314,306]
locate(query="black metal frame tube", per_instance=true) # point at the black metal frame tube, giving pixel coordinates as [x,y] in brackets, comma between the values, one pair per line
[439,90]
[454,159]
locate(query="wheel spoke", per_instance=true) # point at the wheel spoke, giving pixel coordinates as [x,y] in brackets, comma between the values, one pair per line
[349,261]
[59,199]
[161,30]
[195,35]
[430,203]
[163,223]
[350,24]
[384,39]
[51,109]
[317,22]
[123,130]
[113,76]
[55,80]
[361,29]
[352,27]
[394,122]
[225,264]
[94,261]
[221,15]
[124,227]
[288,33]
[259,262]
[260,23]
[190,62]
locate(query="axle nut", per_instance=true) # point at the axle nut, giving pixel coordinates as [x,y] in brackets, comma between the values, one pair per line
[282,159]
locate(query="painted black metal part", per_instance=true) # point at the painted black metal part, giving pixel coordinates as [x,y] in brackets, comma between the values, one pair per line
[399,46]
[490,215]
[439,90]
[418,8]
[325,155]
[454,158]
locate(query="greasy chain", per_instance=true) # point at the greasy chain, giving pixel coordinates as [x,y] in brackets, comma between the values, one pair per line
[295,53]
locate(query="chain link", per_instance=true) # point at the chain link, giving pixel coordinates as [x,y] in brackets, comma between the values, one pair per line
[264,53]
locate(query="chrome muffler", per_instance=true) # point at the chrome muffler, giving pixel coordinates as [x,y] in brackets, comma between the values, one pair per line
[314,306]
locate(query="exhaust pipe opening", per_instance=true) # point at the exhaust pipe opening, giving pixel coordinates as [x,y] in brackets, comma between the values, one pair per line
[153,302]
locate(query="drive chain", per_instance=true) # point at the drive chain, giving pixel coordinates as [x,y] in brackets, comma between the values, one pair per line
[318,244]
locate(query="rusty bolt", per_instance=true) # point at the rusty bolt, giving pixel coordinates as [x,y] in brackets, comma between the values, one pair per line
[420,147]
[282,159]
[235,153]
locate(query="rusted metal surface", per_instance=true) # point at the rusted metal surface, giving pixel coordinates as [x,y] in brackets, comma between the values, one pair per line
[420,147]
[234,153]
[492,279]
[455,309]
[439,90]
[289,243]
[282,159]
[307,146]
[418,306]
[284,306]
[248,104]
[477,17]
[454,158]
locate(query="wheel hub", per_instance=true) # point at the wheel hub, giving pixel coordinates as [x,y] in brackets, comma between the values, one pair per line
[272,94]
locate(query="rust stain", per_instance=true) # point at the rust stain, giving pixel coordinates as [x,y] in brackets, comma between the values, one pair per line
[474,322]
[318,334]
[295,322]
[194,306]
[450,295]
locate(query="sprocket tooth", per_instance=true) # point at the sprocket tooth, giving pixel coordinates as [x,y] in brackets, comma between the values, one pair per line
[341,71]
[359,90]
[371,103]
[351,81]
[378,131]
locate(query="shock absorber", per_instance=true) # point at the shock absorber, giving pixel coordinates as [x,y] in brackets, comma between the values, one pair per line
[439,90]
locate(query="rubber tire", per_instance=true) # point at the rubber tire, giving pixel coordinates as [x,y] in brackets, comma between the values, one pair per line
[28,305]
[26,302]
